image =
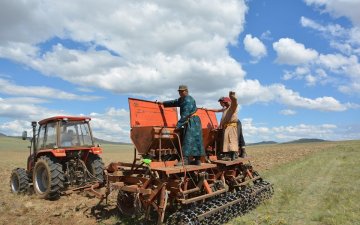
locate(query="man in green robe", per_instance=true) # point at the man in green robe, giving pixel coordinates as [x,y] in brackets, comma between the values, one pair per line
[190,124]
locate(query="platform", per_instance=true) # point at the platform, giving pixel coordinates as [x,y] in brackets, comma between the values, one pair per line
[188,168]
[233,162]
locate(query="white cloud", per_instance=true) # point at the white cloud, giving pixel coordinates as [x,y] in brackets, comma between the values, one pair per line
[25,109]
[348,67]
[343,71]
[306,22]
[346,40]
[278,92]
[254,47]
[338,8]
[293,53]
[159,27]
[355,38]
[112,125]
[340,64]
[299,73]
[15,127]
[344,48]
[256,133]
[148,76]
[157,48]
[147,48]
[350,89]
[322,103]
[266,35]
[25,100]
[287,112]
[334,30]
[286,133]
[28,21]
[311,76]
[310,80]
[9,88]
[84,89]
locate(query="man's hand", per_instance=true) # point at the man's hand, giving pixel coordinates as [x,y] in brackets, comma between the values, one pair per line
[158,102]
[232,95]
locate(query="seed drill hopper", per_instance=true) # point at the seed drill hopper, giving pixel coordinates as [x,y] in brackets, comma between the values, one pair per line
[157,186]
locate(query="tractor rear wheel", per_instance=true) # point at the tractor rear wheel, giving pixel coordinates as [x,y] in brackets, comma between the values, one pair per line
[96,167]
[48,178]
[19,181]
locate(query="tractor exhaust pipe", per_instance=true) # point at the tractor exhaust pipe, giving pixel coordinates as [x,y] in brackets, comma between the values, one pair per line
[33,124]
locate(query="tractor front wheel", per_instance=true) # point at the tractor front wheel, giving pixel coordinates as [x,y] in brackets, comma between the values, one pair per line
[19,181]
[48,178]
[96,167]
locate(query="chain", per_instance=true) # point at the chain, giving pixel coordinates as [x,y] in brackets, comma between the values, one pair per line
[237,203]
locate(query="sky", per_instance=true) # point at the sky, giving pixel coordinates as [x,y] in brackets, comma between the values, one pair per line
[294,65]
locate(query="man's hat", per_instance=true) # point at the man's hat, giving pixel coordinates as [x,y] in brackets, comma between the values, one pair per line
[224,99]
[182,88]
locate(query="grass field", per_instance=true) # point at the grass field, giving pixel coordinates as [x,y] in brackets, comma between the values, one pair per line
[322,188]
[315,183]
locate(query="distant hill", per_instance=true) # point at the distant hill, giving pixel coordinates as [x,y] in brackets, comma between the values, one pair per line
[101,141]
[304,140]
[263,143]
[299,141]
[2,135]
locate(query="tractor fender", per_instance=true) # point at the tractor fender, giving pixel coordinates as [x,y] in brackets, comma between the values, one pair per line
[96,150]
[59,152]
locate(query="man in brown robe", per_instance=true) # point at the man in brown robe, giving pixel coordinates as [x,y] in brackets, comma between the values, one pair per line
[228,123]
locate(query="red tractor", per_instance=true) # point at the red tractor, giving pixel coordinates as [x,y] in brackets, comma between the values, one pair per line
[62,155]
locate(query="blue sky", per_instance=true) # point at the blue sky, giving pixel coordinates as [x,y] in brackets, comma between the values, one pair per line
[293,64]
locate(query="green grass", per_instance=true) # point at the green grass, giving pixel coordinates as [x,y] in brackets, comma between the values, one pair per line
[13,144]
[322,188]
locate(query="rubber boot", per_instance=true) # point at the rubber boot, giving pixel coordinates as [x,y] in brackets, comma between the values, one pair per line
[243,153]
[186,162]
[233,156]
[197,160]
[226,156]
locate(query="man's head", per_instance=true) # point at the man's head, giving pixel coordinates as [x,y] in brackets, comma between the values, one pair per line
[225,101]
[183,90]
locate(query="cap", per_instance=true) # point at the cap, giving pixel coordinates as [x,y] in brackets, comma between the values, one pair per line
[182,87]
[224,99]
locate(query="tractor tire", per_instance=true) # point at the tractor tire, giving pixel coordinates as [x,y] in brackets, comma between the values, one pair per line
[95,166]
[48,178]
[19,181]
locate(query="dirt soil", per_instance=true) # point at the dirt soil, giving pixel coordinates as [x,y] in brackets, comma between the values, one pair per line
[83,208]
